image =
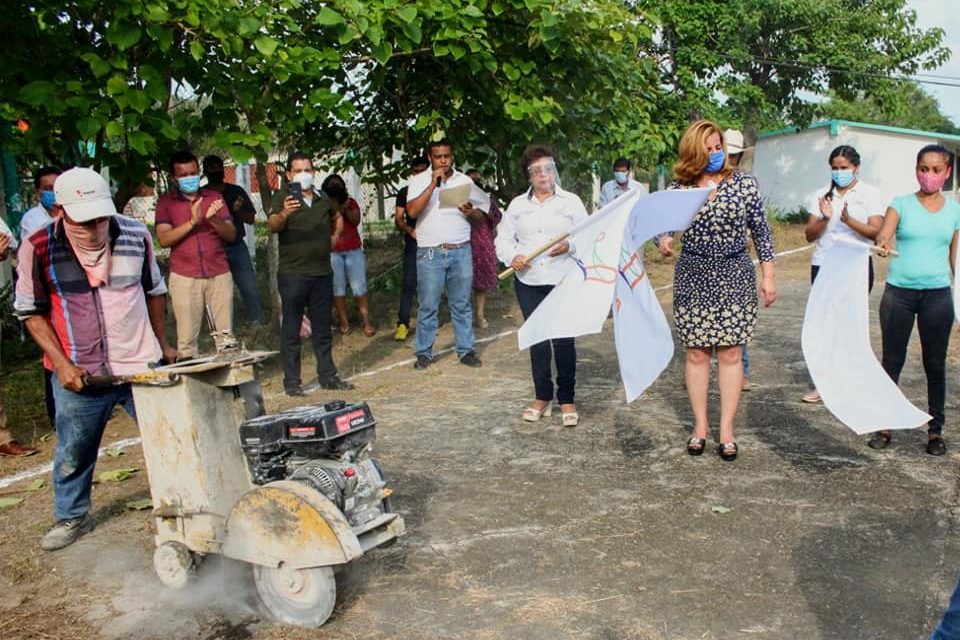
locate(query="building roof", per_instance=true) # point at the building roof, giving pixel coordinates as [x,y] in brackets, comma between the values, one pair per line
[834,126]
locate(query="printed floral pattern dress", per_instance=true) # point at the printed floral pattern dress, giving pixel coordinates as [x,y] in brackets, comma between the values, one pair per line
[715,283]
[484,254]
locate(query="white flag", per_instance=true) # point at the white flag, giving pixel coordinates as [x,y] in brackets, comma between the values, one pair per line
[644,340]
[836,346]
[579,304]
[609,246]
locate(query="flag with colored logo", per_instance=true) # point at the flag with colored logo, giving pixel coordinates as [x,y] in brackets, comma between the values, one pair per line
[607,268]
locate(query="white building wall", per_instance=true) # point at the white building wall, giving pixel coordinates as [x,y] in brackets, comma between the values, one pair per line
[792,167]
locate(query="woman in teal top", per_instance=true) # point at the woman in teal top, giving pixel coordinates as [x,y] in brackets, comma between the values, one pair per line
[924,225]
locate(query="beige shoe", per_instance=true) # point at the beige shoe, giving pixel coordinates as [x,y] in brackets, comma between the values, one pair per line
[745,385]
[813,397]
[570,419]
[531,414]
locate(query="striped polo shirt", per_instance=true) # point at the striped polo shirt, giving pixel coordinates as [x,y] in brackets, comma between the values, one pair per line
[104,330]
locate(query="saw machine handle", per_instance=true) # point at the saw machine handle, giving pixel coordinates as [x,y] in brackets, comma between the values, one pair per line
[152,378]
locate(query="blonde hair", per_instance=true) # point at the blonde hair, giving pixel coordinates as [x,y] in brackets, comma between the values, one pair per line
[693,157]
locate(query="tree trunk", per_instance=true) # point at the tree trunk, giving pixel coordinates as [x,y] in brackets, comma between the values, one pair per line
[273,248]
[126,190]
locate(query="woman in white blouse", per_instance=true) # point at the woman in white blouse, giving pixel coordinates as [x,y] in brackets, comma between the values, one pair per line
[543,212]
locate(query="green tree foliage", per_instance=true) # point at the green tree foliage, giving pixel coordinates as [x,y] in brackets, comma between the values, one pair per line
[765,57]
[897,104]
[122,83]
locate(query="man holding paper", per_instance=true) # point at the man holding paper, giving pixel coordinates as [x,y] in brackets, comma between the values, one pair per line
[445,203]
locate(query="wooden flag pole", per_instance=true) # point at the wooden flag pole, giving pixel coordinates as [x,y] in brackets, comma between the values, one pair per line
[879,251]
[549,245]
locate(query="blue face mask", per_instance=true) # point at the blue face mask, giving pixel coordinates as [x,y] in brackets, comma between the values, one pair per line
[189,185]
[842,177]
[716,162]
[620,177]
[48,199]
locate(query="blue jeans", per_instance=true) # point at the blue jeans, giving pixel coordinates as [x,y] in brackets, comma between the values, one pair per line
[437,268]
[81,418]
[949,627]
[745,360]
[349,266]
[241,268]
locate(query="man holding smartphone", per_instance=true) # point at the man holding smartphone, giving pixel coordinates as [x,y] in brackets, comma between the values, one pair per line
[307,225]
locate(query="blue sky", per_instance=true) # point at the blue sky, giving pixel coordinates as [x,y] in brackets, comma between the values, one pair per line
[943,14]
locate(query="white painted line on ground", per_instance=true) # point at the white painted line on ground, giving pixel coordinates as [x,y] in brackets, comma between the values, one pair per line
[374,372]
[46,468]
[130,442]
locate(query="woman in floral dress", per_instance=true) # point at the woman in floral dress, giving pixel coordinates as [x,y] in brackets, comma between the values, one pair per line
[484,256]
[715,282]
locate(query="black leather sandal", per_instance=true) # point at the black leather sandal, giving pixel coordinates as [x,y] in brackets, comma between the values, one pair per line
[880,440]
[936,445]
[728,451]
[695,446]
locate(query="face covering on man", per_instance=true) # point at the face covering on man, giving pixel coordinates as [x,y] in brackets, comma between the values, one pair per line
[931,182]
[188,185]
[48,199]
[715,162]
[305,178]
[842,177]
[620,177]
[91,244]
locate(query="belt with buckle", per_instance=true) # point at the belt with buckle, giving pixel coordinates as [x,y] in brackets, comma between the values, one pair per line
[447,246]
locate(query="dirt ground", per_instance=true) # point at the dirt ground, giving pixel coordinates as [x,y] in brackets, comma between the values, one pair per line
[606,531]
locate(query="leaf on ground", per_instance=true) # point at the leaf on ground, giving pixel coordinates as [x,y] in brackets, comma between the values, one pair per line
[46,437]
[117,475]
[719,508]
[113,452]
[7,503]
[140,505]
[37,484]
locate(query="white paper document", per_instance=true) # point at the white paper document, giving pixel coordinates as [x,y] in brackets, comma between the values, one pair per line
[453,197]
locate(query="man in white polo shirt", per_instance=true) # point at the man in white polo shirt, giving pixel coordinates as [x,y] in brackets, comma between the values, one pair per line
[444,259]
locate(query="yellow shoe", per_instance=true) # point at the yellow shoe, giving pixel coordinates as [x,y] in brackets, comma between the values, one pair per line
[401,333]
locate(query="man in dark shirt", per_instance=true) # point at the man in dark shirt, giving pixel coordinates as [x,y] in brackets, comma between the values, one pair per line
[305,277]
[243,213]
[407,225]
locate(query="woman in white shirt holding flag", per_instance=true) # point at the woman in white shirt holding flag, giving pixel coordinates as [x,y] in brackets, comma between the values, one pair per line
[543,212]
[849,208]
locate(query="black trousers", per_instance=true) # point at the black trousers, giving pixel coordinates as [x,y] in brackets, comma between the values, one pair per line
[315,295]
[409,291]
[562,351]
[932,309]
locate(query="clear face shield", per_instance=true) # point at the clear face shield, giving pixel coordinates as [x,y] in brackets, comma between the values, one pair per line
[543,175]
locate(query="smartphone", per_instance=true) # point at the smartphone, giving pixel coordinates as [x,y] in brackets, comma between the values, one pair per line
[296,191]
